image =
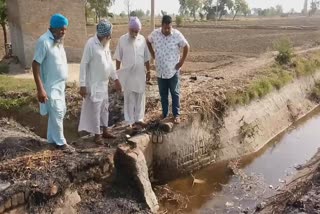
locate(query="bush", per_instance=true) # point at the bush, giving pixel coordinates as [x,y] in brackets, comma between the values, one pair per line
[285,51]
[179,20]
[315,94]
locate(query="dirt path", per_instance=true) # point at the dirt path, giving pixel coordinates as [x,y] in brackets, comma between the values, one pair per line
[17,72]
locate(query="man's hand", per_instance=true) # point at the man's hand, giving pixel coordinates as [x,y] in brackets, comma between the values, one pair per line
[83,92]
[42,96]
[153,55]
[179,65]
[151,49]
[148,76]
[117,85]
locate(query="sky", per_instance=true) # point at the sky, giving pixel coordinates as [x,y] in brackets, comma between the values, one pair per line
[172,6]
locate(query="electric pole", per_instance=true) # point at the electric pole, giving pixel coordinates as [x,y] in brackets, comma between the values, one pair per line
[217,12]
[152,15]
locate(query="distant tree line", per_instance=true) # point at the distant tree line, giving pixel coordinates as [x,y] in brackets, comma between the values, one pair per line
[98,9]
[314,7]
[216,9]
[272,11]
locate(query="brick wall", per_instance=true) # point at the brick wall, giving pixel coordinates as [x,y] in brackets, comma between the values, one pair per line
[198,143]
[29,19]
[15,29]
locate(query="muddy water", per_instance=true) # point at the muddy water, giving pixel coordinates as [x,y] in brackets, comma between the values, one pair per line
[38,124]
[260,174]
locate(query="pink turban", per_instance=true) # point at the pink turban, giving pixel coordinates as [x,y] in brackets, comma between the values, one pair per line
[134,23]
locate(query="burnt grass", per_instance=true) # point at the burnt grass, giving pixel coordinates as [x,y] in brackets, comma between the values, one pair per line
[307,202]
[310,200]
[119,198]
[301,195]
[43,174]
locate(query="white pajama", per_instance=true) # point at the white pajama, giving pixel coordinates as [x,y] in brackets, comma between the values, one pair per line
[133,54]
[134,106]
[94,115]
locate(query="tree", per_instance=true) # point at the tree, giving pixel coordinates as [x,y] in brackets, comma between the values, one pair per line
[272,11]
[222,9]
[190,7]
[100,7]
[138,13]
[148,13]
[292,11]
[201,16]
[132,13]
[4,20]
[279,9]
[314,7]
[183,7]
[123,14]
[223,5]
[257,11]
[240,6]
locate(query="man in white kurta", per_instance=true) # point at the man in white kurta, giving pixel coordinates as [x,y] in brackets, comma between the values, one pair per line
[95,71]
[133,54]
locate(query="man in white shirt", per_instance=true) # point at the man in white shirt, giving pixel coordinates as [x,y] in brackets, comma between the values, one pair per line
[164,45]
[133,54]
[95,71]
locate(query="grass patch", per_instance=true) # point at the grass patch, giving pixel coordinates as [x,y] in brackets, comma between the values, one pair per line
[8,83]
[16,93]
[315,93]
[276,77]
[12,104]
[285,51]
[304,66]
[19,93]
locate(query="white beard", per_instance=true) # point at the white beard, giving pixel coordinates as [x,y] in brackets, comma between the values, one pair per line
[106,44]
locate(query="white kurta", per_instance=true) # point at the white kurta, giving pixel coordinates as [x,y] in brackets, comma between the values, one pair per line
[95,70]
[133,54]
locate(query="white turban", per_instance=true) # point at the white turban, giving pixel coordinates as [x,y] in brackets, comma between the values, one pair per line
[135,23]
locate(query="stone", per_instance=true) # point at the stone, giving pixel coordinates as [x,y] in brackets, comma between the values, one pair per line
[260,206]
[154,138]
[4,185]
[53,190]
[229,204]
[143,142]
[166,127]
[14,200]
[18,210]
[7,204]
[1,207]
[71,199]
[26,194]
[20,197]
[130,162]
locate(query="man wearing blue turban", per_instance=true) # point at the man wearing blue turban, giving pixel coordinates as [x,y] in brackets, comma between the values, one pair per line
[50,70]
[96,69]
